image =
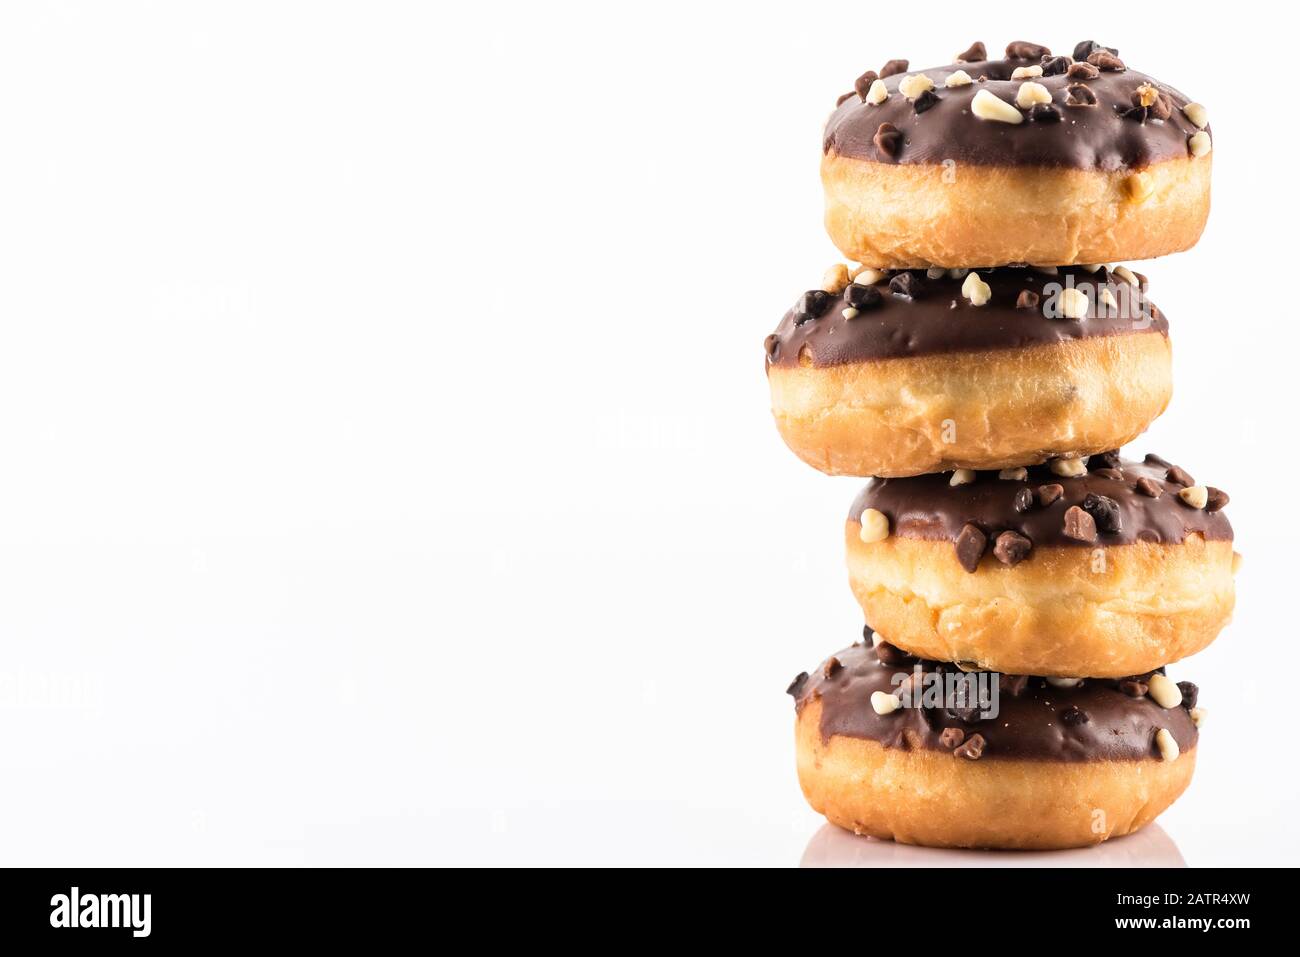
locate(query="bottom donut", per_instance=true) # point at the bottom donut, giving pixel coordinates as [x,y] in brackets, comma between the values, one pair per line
[922,752]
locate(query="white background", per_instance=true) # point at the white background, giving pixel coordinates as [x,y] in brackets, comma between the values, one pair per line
[387,475]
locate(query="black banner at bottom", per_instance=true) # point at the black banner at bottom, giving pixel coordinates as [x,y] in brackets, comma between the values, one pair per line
[136,907]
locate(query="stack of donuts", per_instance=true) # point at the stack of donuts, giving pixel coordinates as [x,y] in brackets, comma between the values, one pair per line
[981,360]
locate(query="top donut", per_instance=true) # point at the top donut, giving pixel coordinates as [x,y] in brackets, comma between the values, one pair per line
[1036,158]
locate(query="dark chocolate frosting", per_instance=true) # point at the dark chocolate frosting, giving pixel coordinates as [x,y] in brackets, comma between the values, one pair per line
[942,320]
[1097,137]
[1031,725]
[927,507]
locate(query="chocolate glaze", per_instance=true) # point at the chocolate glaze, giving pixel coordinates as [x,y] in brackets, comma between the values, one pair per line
[1028,727]
[944,320]
[1088,137]
[927,507]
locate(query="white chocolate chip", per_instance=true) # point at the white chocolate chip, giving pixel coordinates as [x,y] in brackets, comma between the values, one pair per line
[1031,94]
[877,94]
[1108,299]
[866,276]
[1065,682]
[875,526]
[835,279]
[1164,741]
[1014,475]
[1091,267]
[1074,303]
[1047,270]
[935,272]
[914,85]
[849,313]
[882,702]
[1126,274]
[1196,496]
[958,272]
[1196,113]
[1068,468]
[1198,716]
[1199,143]
[876,639]
[976,290]
[962,477]
[1026,72]
[1163,691]
[988,107]
[958,78]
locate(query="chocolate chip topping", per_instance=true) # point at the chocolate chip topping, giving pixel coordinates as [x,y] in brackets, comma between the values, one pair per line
[893,68]
[1190,694]
[951,737]
[863,83]
[811,305]
[1079,525]
[892,654]
[862,297]
[972,748]
[888,140]
[1045,113]
[925,101]
[1149,487]
[1025,500]
[1087,48]
[832,665]
[1047,494]
[1104,509]
[1180,477]
[926,507]
[1099,139]
[969,545]
[907,285]
[1215,498]
[1079,95]
[1011,548]
[1028,299]
[1133,688]
[1023,50]
[943,320]
[1106,62]
[1105,460]
[975,53]
[796,686]
[1030,726]
[1054,65]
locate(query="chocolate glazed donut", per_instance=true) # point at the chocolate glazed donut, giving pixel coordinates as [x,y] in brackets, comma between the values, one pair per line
[1060,764]
[907,373]
[1033,158]
[1105,569]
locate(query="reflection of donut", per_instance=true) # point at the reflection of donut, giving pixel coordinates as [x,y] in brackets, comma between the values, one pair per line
[831,846]
[1055,767]
[1048,574]
[916,373]
[1084,162]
